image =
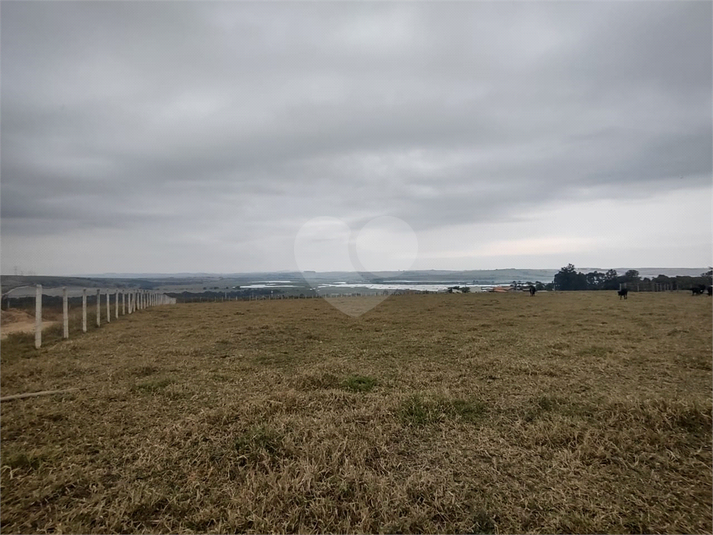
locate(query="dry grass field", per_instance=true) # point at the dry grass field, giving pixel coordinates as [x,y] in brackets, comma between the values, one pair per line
[488,413]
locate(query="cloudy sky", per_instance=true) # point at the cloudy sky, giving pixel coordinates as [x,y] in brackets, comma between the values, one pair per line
[240,136]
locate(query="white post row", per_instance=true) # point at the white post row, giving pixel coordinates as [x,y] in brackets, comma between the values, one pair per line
[65,313]
[84,310]
[138,299]
[38,316]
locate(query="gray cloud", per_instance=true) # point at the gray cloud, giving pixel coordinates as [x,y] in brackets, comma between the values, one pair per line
[185,118]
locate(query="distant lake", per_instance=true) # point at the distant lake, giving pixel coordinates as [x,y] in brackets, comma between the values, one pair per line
[435,287]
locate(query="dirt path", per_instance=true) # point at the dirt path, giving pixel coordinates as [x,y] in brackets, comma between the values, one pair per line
[19,321]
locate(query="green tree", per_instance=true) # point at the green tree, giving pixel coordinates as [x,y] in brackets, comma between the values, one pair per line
[631,276]
[569,279]
[611,280]
[595,280]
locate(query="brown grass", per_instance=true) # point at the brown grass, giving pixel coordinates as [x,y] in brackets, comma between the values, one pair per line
[486,413]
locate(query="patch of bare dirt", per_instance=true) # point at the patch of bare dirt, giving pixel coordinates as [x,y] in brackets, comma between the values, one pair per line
[18,321]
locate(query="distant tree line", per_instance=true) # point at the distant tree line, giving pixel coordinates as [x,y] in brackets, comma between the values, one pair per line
[568,278]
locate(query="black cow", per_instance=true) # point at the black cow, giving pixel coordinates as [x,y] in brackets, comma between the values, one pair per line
[710,290]
[698,290]
[623,293]
[532,290]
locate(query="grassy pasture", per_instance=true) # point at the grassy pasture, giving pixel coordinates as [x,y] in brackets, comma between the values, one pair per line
[487,413]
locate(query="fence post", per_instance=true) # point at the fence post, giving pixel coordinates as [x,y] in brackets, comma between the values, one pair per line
[84,310]
[99,307]
[65,313]
[123,303]
[38,316]
[116,296]
[108,306]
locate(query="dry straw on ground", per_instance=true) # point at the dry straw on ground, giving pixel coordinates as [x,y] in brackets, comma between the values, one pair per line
[560,413]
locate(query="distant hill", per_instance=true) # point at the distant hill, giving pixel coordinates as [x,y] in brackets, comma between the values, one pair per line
[653,272]
[197,281]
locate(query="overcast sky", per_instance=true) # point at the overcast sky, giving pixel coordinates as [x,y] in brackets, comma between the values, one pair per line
[220,137]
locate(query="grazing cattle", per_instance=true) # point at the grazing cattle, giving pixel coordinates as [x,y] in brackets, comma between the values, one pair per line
[698,290]
[532,290]
[623,293]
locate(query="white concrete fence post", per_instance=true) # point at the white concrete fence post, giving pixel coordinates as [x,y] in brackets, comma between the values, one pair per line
[123,303]
[38,316]
[108,306]
[65,313]
[99,307]
[116,297]
[84,310]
